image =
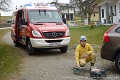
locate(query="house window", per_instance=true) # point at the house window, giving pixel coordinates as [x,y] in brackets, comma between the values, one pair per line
[94,15]
[115,10]
[102,13]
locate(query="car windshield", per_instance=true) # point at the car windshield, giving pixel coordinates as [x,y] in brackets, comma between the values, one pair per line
[37,16]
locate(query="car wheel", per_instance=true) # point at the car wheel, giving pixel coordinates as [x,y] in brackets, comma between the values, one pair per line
[17,44]
[30,49]
[117,62]
[63,49]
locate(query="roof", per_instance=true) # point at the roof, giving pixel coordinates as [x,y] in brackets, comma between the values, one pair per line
[96,9]
[62,4]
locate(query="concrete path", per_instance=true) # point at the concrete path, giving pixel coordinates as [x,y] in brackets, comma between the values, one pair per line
[6,28]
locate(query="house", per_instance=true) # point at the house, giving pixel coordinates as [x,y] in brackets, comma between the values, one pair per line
[66,10]
[95,14]
[73,2]
[109,11]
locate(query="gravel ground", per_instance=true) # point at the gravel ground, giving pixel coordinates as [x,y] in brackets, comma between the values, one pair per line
[49,64]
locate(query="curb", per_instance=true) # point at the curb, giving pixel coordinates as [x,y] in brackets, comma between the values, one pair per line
[6,28]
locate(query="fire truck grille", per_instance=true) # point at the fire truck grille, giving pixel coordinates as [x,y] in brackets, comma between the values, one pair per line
[53,34]
[52,41]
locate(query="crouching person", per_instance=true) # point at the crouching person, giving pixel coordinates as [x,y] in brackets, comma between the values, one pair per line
[84,53]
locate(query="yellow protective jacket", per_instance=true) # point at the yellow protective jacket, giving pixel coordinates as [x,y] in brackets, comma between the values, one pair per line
[81,51]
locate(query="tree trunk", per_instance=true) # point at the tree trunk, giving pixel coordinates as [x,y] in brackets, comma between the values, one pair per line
[89,17]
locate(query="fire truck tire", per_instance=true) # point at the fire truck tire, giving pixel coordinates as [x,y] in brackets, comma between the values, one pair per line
[63,49]
[30,49]
[17,44]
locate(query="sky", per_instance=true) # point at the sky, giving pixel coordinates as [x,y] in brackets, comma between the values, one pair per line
[22,2]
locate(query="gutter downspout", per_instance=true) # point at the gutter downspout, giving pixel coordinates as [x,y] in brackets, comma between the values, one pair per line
[107,14]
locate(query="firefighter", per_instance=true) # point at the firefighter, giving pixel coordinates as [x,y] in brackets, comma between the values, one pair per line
[84,53]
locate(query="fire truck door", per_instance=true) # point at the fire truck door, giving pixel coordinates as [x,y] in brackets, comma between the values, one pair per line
[24,32]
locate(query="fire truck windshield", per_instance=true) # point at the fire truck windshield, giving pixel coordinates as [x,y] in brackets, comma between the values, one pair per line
[37,16]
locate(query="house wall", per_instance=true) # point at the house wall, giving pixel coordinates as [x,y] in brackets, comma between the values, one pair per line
[68,14]
[116,18]
[95,17]
[65,10]
[103,18]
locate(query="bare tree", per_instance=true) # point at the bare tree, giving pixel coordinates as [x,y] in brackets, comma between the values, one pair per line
[55,0]
[5,5]
[85,8]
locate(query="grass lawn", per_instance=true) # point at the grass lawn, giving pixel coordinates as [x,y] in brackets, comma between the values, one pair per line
[94,36]
[9,58]
[4,18]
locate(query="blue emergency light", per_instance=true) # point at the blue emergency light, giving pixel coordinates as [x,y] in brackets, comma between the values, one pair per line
[39,5]
[52,5]
[29,4]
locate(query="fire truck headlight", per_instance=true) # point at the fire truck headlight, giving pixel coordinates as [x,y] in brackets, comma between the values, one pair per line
[36,33]
[67,33]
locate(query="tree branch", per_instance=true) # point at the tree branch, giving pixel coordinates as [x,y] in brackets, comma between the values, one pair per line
[5,5]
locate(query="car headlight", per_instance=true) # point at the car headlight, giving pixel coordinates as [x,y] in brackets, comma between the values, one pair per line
[36,33]
[67,33]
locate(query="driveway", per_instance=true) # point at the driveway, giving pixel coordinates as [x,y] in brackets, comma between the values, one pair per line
[52,65]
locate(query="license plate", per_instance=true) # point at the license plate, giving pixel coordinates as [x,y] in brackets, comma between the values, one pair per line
[53,44]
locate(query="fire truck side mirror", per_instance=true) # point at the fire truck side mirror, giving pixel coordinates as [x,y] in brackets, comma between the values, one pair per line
[23,22]
[64,20]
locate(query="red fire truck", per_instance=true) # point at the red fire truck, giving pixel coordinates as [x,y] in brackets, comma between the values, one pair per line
[39,26]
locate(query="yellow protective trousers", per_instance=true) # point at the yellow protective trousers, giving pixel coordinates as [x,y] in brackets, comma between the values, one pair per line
[90,58]
[81,52]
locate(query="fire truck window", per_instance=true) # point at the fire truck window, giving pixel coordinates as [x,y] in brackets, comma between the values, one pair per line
[117,30]
[25,17]
[13,18]
[44,16]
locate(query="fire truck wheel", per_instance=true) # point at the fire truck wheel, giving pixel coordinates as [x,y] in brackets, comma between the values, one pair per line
[30,49]
[117,62]
[63,49]
[17,44]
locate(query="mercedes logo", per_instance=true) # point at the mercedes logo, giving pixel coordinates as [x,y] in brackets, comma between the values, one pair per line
[54,34]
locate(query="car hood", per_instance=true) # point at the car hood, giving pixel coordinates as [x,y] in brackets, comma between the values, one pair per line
[50,27]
